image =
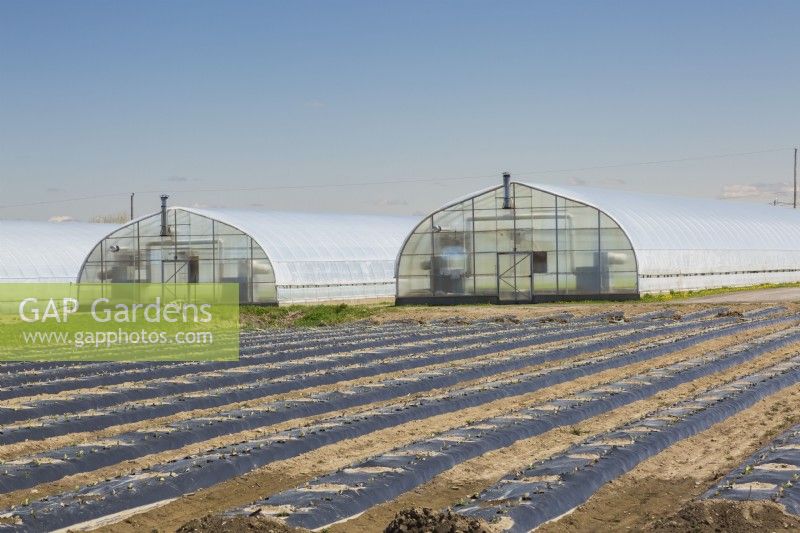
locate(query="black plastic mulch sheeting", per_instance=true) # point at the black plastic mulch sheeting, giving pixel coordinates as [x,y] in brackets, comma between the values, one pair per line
[265,347]
[117,394]
[553,487]
[74,459]
[194,472]
[260,349]
[272,346]
[299,343]
[772,473]
[131,412]
[349,492]
[285,361]
[254,347]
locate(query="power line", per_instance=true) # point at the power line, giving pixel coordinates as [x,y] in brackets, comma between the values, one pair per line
[394,181]
[659,162]
[65,200]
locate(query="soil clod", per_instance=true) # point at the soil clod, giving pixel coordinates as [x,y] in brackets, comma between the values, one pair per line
[240,524]
[424,520]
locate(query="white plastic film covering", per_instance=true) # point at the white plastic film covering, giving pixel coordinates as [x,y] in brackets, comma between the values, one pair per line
[319,257]
[686,243]
[37,252]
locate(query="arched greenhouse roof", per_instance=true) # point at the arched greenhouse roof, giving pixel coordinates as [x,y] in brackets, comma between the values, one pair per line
[291,238]
[679,235]
[32,251]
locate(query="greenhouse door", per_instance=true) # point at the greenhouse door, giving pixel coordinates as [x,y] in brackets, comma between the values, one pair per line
[514,277]
[174,271]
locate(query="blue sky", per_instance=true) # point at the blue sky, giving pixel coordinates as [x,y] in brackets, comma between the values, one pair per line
[223,103]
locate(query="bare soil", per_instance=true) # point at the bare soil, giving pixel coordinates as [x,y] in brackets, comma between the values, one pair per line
[241,524]
[714,516]
[425,520]
[470,313]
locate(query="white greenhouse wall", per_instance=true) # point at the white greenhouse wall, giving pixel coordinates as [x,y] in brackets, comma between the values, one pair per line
[324,257]
[46,252]
[686,243]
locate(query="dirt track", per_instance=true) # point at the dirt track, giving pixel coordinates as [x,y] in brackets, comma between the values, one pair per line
[788,294]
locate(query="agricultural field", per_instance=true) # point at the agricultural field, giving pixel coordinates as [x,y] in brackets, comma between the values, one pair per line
[592,417]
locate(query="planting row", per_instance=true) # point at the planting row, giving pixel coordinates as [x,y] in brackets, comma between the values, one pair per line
[99,418]
[274,347]
[263,346]
[772,473]
[524,500]
[293,343]
[177,477]
[351,491]
[29,471]
[282,361]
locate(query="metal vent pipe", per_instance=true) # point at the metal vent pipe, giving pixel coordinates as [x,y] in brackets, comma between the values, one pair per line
[164,225]
[506,190]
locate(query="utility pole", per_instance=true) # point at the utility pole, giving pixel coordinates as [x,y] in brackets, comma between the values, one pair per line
[132,194]
[794,203]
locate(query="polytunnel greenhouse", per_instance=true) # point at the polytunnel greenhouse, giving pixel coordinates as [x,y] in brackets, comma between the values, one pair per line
[531,242]
[275,257]
[45,252]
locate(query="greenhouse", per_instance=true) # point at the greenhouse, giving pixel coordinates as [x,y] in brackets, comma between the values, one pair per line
[275,257]
[530,243]
[45,252]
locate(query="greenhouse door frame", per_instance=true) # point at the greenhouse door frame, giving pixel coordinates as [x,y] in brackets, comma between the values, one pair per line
[515,277]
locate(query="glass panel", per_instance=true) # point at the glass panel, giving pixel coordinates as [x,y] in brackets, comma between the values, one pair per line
[449,221]
[581,239]
[544,240]
[486,263]
[419,243]
[485,241]
[264,293]
[545,284]
[486,285]
[614,239]
[224,229]
[581,217]
[415,265]
[607,222]
[505,240]
[414,286]
[622,282]
[543,199]
[620,260]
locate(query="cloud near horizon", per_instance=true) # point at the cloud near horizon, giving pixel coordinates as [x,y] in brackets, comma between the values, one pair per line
[597,182]
[61,218]
[763,191]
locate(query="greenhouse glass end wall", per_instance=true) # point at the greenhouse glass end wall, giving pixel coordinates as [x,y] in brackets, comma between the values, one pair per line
[196,249]
[533,246]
